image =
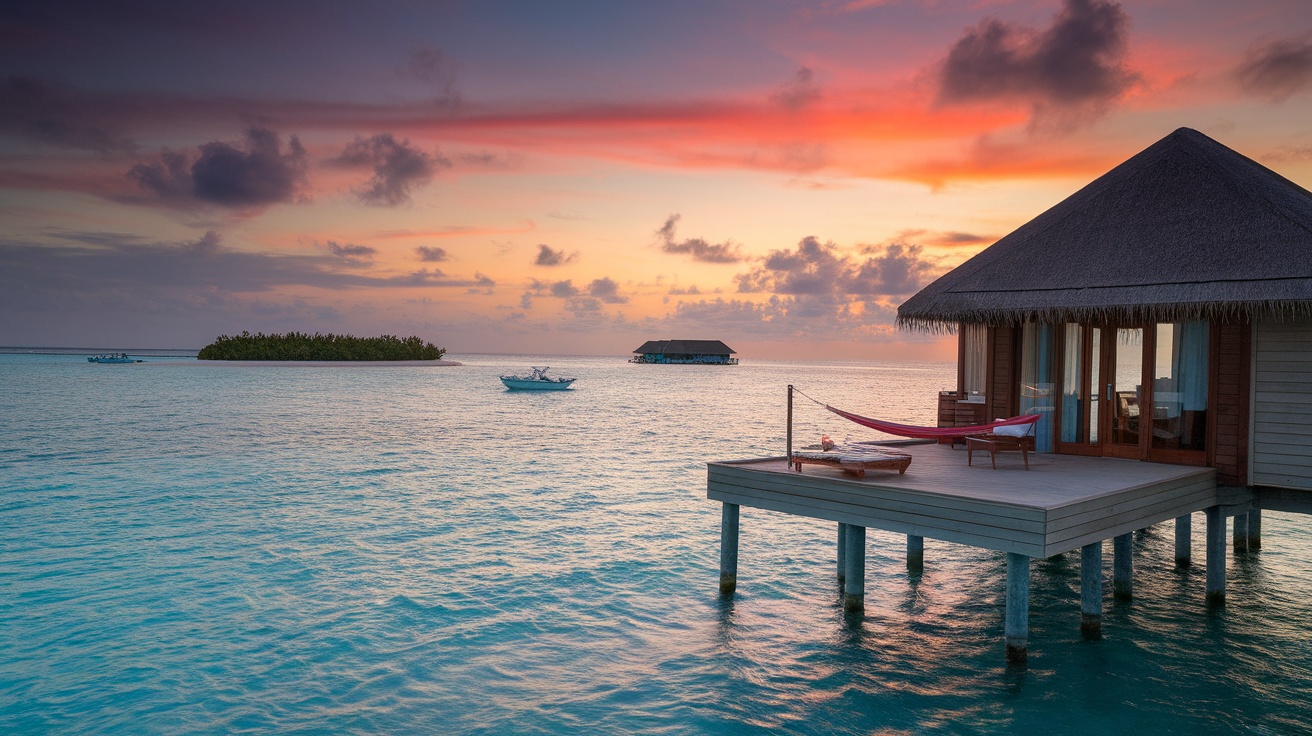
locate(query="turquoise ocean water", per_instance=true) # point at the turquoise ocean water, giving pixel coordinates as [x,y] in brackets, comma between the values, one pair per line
[190,549]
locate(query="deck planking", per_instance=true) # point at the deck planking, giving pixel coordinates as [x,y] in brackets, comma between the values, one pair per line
[1061,503]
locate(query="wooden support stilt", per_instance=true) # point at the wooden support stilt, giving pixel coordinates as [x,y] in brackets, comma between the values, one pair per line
[1241,533]
[842,552]
[729,549]
[1091,590]
[1254,530]
[1123,566]
[854,582]
[1215,556]
[1017,626]
[915,552]
[1183,530]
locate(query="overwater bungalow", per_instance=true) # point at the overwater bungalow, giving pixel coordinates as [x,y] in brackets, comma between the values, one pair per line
[1159,324]
[684,352]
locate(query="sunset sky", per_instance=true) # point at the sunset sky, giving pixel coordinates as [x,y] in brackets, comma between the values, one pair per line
[579,177]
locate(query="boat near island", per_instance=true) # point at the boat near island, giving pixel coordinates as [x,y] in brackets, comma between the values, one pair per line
[112,358]
[537,380]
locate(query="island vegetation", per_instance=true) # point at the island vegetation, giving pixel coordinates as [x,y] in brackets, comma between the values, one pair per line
[300,346]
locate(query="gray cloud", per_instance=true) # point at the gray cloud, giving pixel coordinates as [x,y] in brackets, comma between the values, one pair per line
[351,251]
[398,168]
[799,92]
[817,271]
[1276,69]
[432,253]
[48,113]
[432,67]
[598,291]
[1077,63]
[607,290]
[548,256]
[699,249]
[949,239]
[253,177]
[100,288]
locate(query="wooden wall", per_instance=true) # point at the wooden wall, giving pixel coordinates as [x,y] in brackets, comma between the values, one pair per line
[1281,454]
[1003,359]
[1230,402]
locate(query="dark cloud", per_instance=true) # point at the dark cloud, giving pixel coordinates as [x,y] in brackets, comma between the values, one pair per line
[680,291]
[1276,69]
[398,168]
[207,245]
[223,174]
[599,291]
[435,69]
[798,93]
[699,249]
[1076,64]
[547,256]
[607,290]
[98,282]
[563,289]
[942,239]
[817,271]
[54,115]
[432,253]
[351,251]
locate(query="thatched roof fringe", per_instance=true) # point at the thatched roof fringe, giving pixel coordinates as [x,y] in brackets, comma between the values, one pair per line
[1267,311]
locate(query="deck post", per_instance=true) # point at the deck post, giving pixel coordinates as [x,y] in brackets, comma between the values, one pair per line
[1123,566]
[842,552]
[915,552]
[1091,590]
[854,582]
[1215,556]
[728,548]
[1183,529]
[1017,626]
[1241,533]
[790,424]
[1254,530]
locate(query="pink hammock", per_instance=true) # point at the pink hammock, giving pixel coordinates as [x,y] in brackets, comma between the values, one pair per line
[929,433]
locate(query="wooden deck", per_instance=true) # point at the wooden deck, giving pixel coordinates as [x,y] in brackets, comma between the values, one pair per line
[1061,503]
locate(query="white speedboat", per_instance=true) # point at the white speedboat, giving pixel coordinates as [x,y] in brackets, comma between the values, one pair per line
[537,380]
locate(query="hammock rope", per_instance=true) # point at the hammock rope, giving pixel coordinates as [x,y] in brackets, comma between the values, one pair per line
[923,433]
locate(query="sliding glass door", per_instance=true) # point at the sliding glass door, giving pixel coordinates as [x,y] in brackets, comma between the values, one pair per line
[1131,391]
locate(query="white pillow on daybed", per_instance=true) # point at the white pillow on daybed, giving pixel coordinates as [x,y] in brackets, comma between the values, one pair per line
[1013,430]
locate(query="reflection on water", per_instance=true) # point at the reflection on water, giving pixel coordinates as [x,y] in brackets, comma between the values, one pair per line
[418,550]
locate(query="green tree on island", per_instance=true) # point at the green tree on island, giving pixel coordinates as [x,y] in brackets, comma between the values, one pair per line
[300,346]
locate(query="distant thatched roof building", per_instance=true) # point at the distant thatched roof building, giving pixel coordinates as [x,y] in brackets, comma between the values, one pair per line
[684,351]
[1185,230]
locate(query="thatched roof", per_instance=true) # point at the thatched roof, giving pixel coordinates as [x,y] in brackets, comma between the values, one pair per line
[684,347]
[1186,229]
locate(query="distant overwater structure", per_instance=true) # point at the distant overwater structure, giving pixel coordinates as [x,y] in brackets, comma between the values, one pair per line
[684,352]
[1159,324]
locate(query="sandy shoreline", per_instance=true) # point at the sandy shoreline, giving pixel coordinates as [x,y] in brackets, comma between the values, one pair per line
[312,363]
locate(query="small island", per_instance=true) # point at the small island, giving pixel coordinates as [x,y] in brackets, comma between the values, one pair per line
[297,346]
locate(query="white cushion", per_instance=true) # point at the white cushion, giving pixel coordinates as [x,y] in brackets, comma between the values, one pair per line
[1013,430]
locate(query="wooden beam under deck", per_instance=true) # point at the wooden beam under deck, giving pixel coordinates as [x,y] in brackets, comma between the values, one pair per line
[1062,503]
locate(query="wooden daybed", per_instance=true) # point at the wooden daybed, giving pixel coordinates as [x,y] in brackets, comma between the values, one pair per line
[854,459]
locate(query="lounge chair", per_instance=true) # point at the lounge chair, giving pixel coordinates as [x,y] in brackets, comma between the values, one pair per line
[1003,439]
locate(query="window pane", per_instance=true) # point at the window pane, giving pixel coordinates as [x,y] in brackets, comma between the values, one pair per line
[1036,381]
[1128,364]
[1072,404]
[975,348]
[1180,387]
